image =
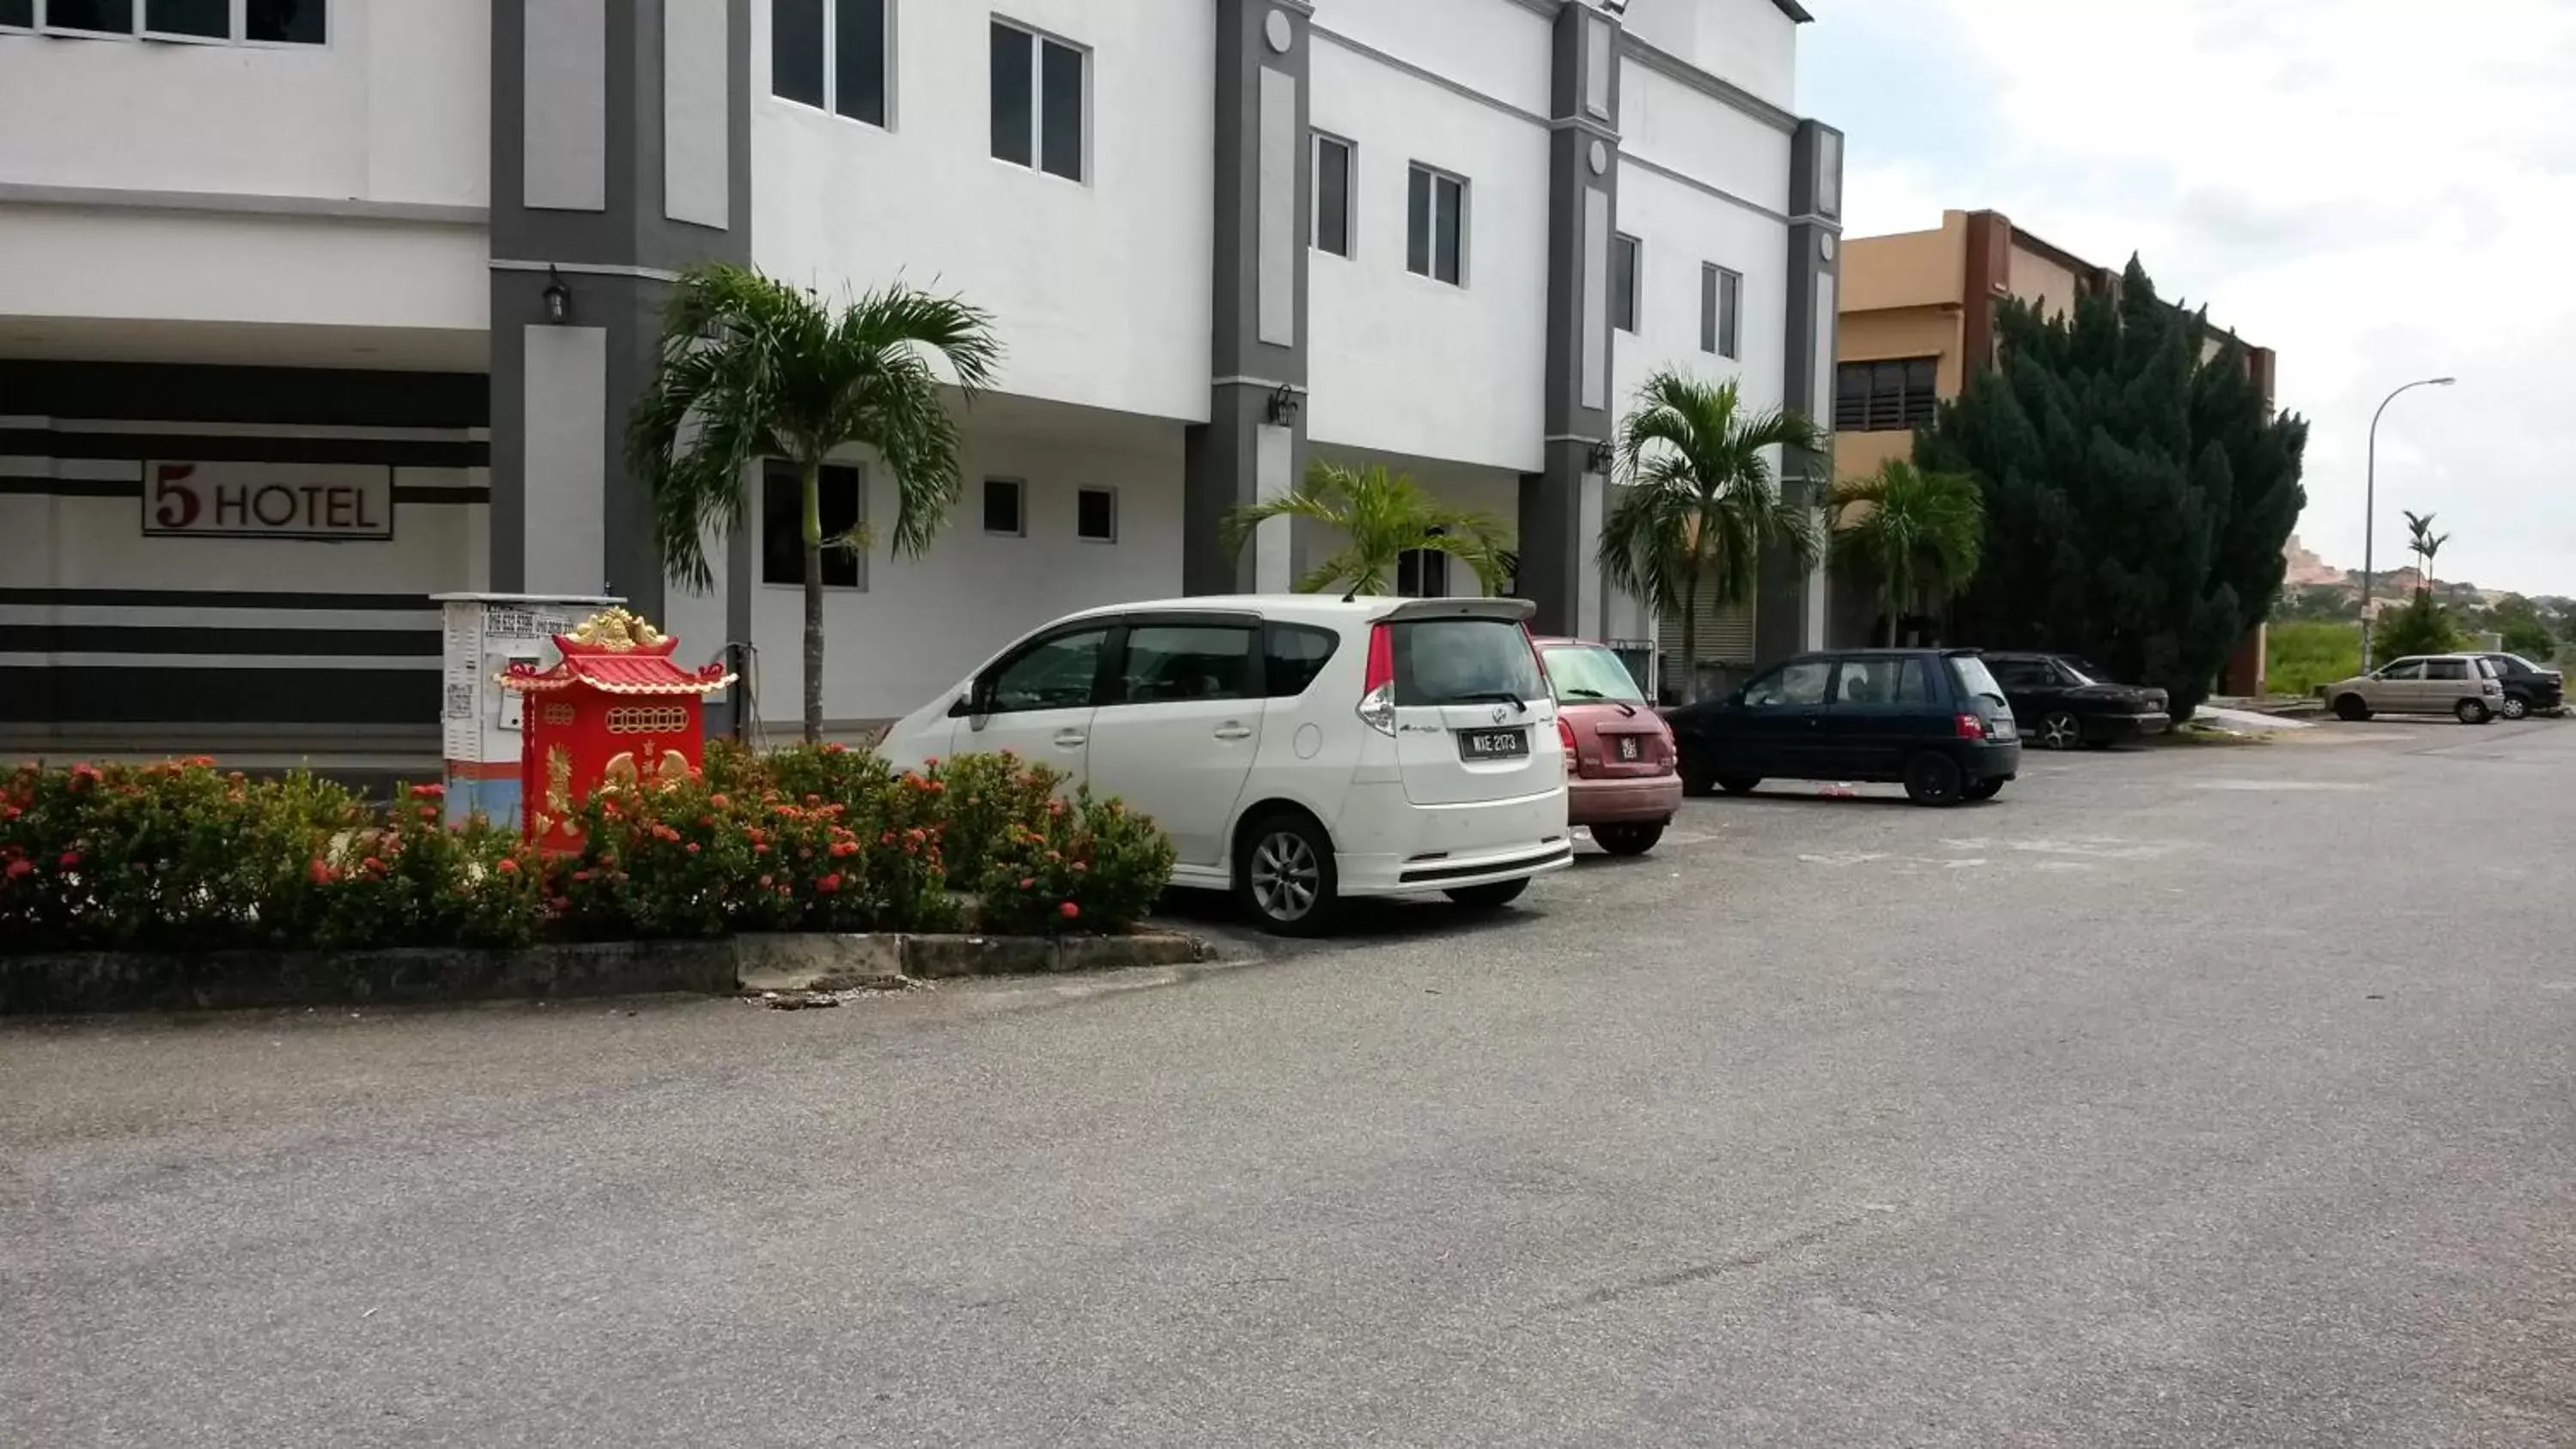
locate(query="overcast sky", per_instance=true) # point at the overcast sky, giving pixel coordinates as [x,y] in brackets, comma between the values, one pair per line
[2379,190]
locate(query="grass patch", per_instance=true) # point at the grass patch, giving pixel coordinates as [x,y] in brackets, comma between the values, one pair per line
[2302,656]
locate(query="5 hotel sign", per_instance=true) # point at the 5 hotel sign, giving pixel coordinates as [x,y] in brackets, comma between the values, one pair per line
[268,500]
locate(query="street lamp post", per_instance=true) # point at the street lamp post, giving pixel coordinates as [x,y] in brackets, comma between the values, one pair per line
[2370,505]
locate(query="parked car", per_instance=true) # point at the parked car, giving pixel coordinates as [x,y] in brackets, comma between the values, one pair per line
[2060,702]
[1299,750]
[1623,787]
[2528,688]
[1933,720]
[2464,685]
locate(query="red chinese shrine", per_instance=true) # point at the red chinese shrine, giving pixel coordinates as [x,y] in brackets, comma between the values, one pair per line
[612,712]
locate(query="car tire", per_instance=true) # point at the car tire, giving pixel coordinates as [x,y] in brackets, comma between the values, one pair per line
[1285,878]
[1985,789]
[2473,712]
[2351,710]
[2516,707]
[1932,779]
[1489,897]
[2058,730]
[1697,777]
[1628,838]
[1739,784]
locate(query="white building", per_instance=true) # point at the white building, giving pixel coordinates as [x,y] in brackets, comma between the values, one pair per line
[276,359]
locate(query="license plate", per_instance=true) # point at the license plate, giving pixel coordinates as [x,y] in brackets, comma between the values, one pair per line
[1628,748]
[2004,729]
[1493,744]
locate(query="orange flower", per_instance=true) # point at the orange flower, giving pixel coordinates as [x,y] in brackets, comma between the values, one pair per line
[507,866]
[1069,910]
[71,859]
[320,870]
[828,884]
[21,868]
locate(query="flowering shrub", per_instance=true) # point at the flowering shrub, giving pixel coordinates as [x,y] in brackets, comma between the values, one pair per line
[182,857]
[1087,865]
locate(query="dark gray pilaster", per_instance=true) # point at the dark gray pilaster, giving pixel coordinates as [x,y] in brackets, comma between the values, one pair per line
[621,153]
[1561,505]
[1790,614]
[1253,445]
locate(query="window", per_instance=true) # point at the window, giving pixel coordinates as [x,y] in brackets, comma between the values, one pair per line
[1886,681]
[1625,253]
[1591,672]
[17,14]
[1333,172]
[2446,669]
[263,22]
[1464,661]
[1292,655]
[1037,101]
[1095,514]
[1974,679]
[1058,673]
[1422,573]
[782,525]
[1177,663]
[852,33]
[1435,226]
[1881,396]
[1795,684]
[1002,511]
[2023,673]
[2404,669]
[1721,304]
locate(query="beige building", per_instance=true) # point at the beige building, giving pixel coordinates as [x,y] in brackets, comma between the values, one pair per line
[1918,316]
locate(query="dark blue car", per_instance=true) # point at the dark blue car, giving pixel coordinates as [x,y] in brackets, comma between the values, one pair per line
[1932,720]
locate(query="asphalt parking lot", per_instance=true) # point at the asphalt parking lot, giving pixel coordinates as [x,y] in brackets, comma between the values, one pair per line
[2186,1096]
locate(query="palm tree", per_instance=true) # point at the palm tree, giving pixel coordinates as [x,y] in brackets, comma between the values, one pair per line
[1901,524]
[1699,503]
[751,368]
[1382,517]
[2424,543]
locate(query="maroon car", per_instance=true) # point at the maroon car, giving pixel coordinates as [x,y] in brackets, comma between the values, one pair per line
[1624,785]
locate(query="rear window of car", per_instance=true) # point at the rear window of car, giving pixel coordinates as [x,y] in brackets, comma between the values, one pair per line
[1464,661]
[1296,654]
[1974,678]
[1588,674]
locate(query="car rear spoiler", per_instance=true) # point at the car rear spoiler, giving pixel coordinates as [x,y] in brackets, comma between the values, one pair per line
[1509,611]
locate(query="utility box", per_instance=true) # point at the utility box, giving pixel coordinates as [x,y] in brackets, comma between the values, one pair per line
[480,721]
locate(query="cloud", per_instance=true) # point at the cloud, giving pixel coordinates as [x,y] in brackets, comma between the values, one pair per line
[2378,191]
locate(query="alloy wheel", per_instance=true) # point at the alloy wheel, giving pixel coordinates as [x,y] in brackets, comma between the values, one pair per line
[1286,878]
[2059,731]
[2515,706]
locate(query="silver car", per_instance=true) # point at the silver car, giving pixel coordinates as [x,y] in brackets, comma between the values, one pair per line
[2464,685]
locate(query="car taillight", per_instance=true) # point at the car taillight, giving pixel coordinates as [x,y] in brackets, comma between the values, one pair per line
[1971,727]
[1565,737]
[1377,692]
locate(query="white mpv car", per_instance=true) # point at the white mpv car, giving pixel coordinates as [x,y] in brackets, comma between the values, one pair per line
[1299,749]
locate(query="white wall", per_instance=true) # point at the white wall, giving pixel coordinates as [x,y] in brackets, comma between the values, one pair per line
[1401,363]
[1492,47]
[1666,122]
[1750,43]
[157,266]
[1101,289]
[1679,229]
[397,107]
[923,624]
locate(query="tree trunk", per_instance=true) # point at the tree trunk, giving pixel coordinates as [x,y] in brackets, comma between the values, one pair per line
[1690,635]
[813,531]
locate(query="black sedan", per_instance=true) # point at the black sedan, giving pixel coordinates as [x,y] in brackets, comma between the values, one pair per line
[2060,702]
[2528,688]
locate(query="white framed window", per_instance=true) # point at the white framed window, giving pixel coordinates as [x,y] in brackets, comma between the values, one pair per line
[1006,510]
[1336,177]
[1095,515]
[1627,254]
[1422,573]
[833,55]
[1721,308]
[841,491]
[192,22]
[1435,225]
[1041,112]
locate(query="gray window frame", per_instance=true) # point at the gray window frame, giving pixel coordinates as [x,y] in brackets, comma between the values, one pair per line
[1039,39]
[1721,311]
[1466,223]
[1350,247]
[831,62]
[139,27]
[1019,506]
[857,473]
[1106,492]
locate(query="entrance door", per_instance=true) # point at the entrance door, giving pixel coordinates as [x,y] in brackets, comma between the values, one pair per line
[1180,724]
[1782,720]
[1038,702]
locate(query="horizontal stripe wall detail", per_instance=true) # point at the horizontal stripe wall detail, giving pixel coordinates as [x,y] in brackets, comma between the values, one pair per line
[125,694]
[42,486]
[215,599]
[186,393]
[235,448]
[167,639]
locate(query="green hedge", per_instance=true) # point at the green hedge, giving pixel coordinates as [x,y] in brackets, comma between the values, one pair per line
[181,857]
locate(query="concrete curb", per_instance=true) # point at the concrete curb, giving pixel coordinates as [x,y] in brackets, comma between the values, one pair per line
[108,981]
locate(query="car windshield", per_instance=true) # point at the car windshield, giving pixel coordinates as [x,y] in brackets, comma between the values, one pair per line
[1590,673]
[1974,678]
[1465,661]
[2081,671]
